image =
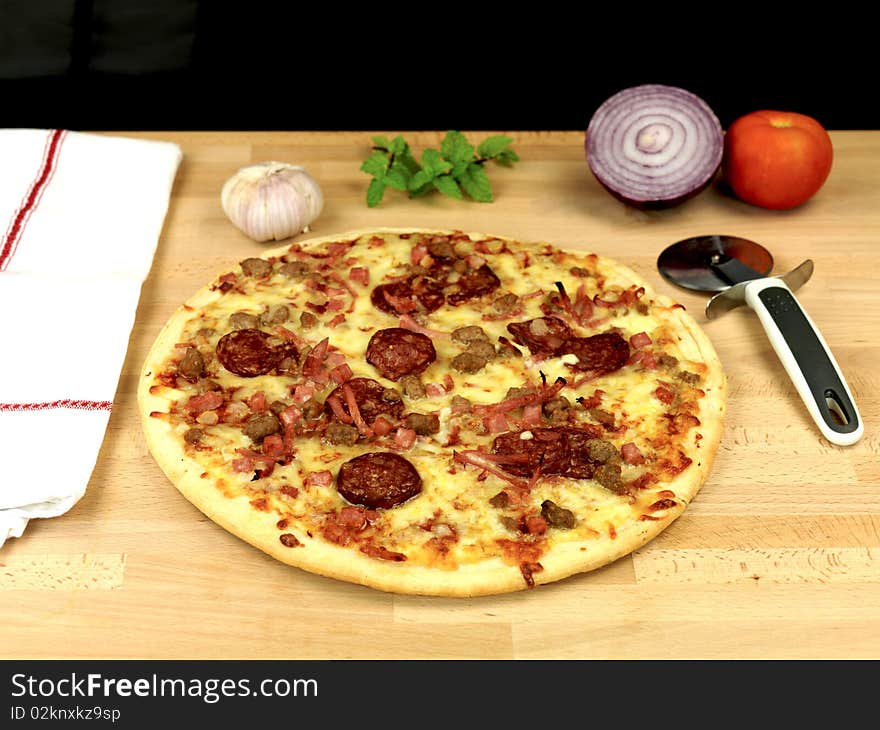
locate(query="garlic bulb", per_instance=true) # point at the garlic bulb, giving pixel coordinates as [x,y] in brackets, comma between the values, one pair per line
[271,200]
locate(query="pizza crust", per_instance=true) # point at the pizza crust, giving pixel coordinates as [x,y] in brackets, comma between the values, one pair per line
[493,576]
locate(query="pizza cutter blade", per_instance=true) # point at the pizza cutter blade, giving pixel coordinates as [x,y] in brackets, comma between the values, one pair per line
[738,269]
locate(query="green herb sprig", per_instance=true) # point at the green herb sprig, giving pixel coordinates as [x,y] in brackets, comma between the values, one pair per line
[456,169]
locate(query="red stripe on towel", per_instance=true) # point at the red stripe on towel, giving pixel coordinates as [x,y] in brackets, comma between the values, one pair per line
[32,198]
[78,405]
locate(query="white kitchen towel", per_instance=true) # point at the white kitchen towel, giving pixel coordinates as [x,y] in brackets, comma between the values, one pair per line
[82,216]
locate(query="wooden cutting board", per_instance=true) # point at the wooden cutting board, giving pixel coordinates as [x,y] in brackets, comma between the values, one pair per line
[778,556]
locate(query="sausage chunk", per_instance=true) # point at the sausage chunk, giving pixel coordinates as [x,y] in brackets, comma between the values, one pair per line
[243,321]
[341,433]
[468,362]
[424,424]
[557,516]
[191,365]
[261,425]
[471,333]
[256,267]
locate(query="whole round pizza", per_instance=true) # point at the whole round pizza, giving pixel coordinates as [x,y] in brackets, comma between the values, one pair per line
[434,412]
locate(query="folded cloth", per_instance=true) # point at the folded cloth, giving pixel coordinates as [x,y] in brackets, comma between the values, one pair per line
[82,216]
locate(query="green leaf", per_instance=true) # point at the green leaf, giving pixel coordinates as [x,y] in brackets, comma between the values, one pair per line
[396,179]
[493,146]
[420,191]
[376,164]
[475,182]
[456,148]
[398,145]
[375,191]
[407,160]
[420,180]
[446,184]
[506,157]
[454,169]
[459,168]
[433,164]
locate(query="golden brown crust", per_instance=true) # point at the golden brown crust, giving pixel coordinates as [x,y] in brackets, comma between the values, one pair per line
[564,559]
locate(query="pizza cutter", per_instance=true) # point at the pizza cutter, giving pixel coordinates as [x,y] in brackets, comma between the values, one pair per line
[739,270]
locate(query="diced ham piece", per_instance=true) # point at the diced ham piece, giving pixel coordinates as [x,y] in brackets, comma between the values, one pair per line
[435,390]
[273,446]
[664,394]
[355,518]
[360,275]
[418,253]
[631,454]
[235,412]
[242,465]
[334,359]
[382,426]
[535,525]
[257,402]
[341,373]
[291,415]
[532,414]
[318,479]
[204,402]
[303,393]
[496,422]
[640,340]
[316,358]
[404,438]
[645,358]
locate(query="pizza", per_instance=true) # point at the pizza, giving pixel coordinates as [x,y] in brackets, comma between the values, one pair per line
[434,412]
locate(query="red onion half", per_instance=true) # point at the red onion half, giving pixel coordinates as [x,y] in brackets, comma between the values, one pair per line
[654,146]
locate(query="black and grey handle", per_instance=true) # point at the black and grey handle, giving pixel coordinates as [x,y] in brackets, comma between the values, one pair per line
[807,359]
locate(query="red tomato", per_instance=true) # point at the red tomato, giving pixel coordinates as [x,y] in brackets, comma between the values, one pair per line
[776,160]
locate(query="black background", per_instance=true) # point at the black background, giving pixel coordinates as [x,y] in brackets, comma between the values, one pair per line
[196,64]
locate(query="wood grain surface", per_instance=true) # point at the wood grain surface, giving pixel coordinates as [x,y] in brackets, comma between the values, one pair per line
[777,557]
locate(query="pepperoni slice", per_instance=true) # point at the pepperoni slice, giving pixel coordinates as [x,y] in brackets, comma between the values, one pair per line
[580,465]
[546,449]
[396,352]
[473,284]
[373,399]
[417,293]
[542,335]
[599,354]
[252,352]
[381,479]
[560,451]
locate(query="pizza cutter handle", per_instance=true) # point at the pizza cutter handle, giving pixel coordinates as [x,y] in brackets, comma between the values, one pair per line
[807,359]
